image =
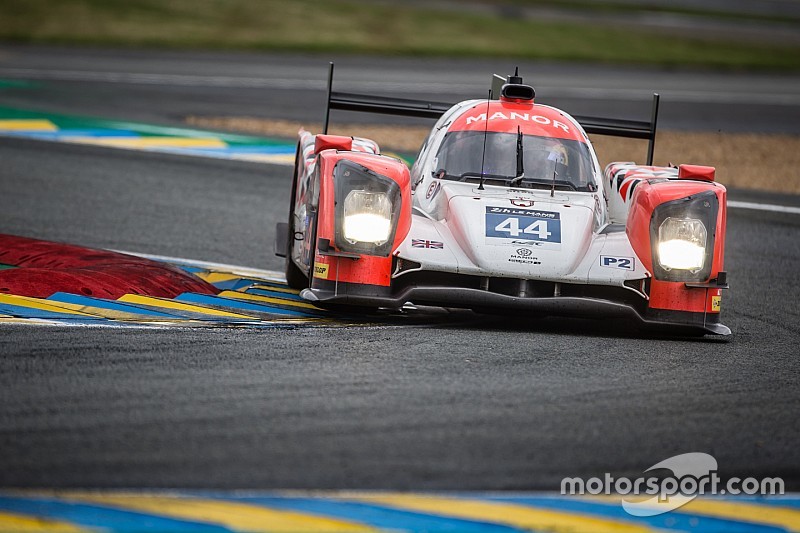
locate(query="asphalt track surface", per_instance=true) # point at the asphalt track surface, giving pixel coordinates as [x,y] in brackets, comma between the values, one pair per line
[460,403]
[165,87]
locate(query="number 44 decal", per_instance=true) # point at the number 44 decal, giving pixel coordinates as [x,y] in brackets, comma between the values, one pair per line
[512,227]
[513,223]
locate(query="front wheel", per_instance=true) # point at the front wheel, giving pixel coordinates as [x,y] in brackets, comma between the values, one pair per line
[295,278]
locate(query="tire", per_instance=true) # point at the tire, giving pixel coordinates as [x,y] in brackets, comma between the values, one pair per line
[295,277]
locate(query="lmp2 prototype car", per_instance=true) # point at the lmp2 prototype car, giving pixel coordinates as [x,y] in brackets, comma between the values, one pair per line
[505,210]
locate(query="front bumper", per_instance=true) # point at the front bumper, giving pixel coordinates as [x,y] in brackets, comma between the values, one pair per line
[569,306]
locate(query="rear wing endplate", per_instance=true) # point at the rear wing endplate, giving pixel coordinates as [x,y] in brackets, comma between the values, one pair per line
[634,129]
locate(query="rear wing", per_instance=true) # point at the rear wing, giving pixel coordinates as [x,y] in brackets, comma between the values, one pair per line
[633,129]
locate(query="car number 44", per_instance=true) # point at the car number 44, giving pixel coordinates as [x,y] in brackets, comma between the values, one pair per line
[512,227]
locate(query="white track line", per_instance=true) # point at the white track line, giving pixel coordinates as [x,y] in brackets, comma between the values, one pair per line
[764,207]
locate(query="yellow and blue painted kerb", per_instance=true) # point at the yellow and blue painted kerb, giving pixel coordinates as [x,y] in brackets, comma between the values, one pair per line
[363,512]
[135,136]
[247,298]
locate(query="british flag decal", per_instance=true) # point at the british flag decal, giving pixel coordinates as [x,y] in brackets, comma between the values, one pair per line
[422,243]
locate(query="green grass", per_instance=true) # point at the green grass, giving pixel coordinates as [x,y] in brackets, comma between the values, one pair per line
[352,26]
[612,6]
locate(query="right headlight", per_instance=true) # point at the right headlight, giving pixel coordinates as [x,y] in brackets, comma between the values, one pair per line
[682,235]
[682,244]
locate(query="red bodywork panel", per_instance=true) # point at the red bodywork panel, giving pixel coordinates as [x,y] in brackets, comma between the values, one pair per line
[674,295]
[696,172]
[368,270]
[332,142]
[505,116]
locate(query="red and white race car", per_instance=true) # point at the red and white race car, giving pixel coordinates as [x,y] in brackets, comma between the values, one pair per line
[505,210]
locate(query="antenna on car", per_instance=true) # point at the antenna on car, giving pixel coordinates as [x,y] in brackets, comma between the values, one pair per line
[485,134]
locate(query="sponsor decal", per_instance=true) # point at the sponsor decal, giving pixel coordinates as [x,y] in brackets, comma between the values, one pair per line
[716,303]
[524,117]
[422,243]
[524,256]
[625,263]
[433,190]
[321,270]
[522,203]
[522,212]
[504,224]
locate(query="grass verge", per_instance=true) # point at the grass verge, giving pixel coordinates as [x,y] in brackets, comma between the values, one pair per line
[359,26]
[743,160]
[611,6]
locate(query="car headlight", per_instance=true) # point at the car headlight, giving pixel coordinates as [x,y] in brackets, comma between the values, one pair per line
[682,234]
[367,217]
[682,244]
[367,209]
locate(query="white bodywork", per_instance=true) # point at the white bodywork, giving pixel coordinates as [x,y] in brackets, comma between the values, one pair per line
[449,230]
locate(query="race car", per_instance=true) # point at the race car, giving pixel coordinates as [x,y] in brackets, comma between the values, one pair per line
[505,210]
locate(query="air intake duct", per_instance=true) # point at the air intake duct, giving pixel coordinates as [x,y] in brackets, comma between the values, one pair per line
[514,89]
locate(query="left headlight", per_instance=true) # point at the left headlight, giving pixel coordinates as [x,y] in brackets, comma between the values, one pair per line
[367,217]
[367,209]
[682,234]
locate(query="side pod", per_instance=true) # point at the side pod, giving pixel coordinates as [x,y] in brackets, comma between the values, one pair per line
[364,214]
[677,229]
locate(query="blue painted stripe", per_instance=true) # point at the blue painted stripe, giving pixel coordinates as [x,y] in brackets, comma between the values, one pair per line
[97,516]
[191,315]
[211,152]
[109,517]
[275,294]
[187,268]
[377,516]
[62,134]
[236,150]
[98,133]
[674,520]
[789,502]
[30,312]
[222,151]
[239,305]
[234,284]
[112,305]
[31,134]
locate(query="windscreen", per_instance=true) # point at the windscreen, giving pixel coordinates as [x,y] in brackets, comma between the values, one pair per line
[461,157]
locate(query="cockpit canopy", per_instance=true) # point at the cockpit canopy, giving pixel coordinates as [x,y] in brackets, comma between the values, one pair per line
[462,157]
